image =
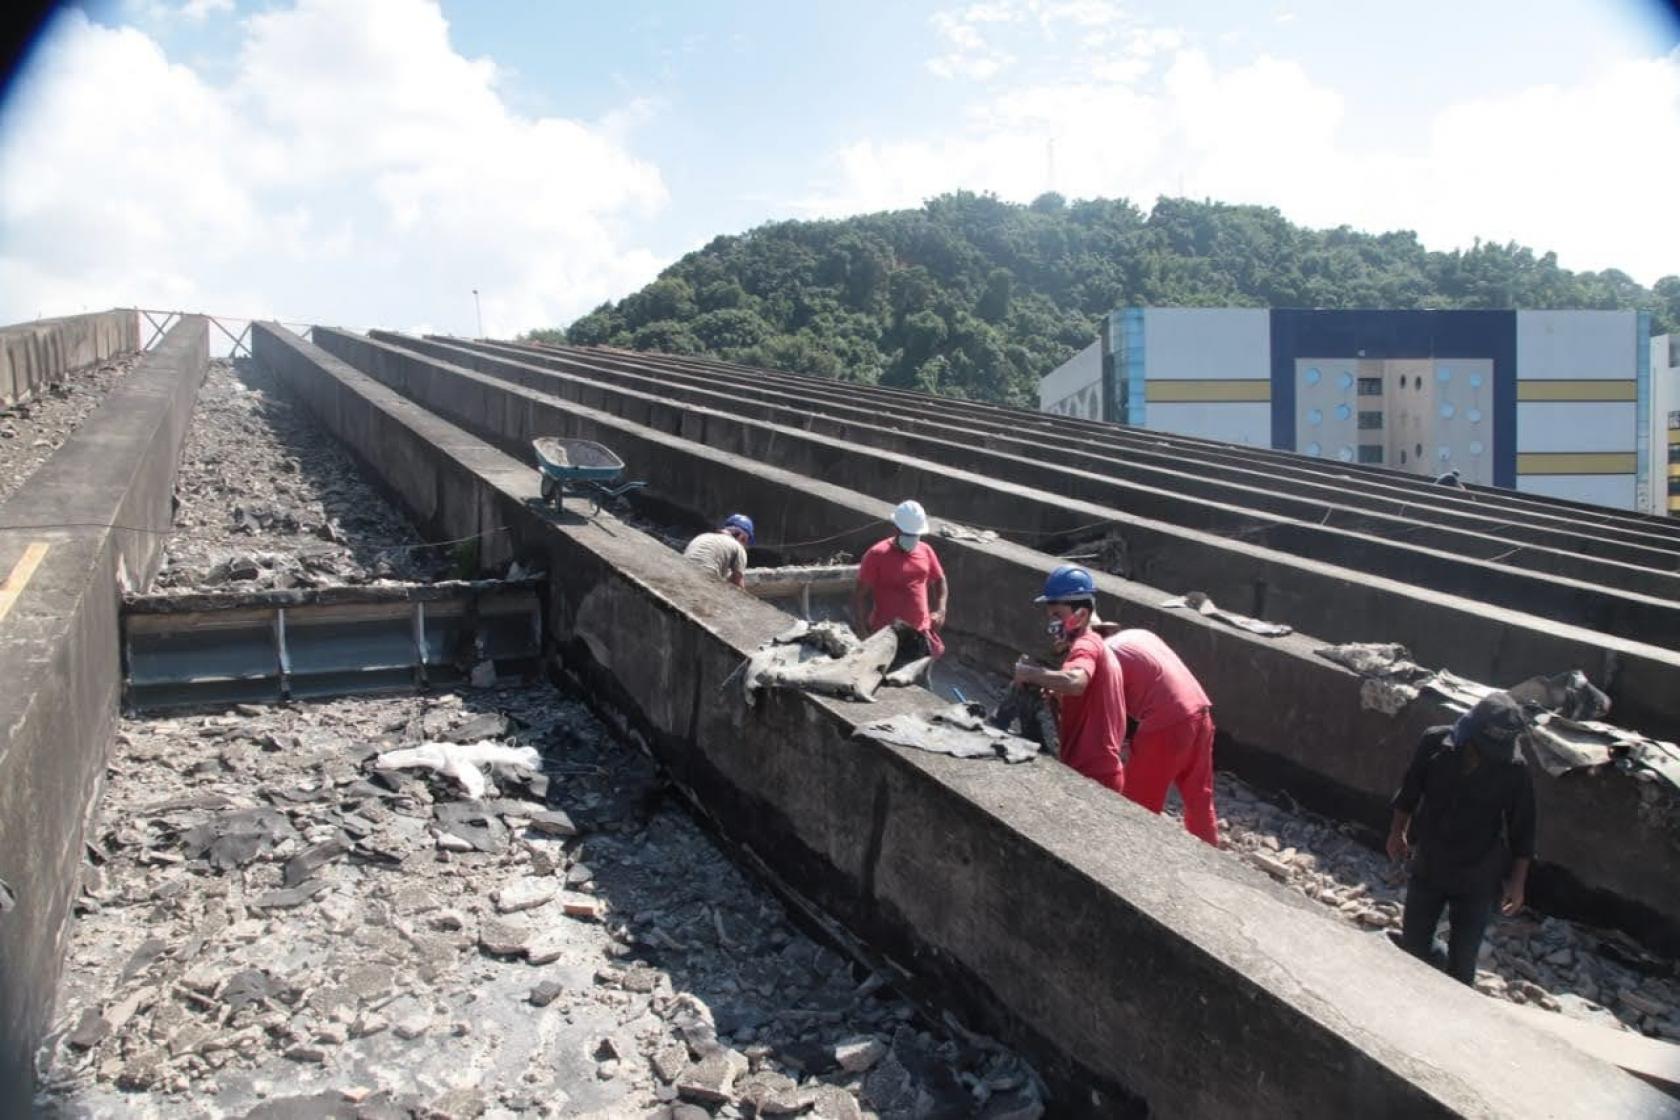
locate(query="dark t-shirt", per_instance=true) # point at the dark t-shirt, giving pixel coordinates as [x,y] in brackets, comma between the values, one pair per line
[1471,816]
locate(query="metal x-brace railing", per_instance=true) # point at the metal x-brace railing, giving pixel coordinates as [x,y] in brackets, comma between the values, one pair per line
[161,321]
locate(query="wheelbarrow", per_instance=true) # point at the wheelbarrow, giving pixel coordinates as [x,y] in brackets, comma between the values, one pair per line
[581,468]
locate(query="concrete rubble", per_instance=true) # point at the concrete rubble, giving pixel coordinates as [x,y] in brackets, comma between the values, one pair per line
[267,499]
[31,430]
[1595,975]
[271,924]
[268,923]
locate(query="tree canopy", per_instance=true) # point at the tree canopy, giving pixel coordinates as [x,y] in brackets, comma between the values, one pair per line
[974,297]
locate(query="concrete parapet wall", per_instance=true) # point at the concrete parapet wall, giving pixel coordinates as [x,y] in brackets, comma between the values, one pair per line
[38,353]
[101,505]
[1143,972]
[1288,718]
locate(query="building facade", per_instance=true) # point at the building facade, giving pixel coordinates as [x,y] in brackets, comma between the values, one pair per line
[1664,488]
[1551,402]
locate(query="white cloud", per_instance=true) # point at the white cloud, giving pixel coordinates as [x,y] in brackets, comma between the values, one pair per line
[198,10]
[1587,170]
[356,168]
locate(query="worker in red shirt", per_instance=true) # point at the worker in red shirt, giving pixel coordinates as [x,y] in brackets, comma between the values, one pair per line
[1091,695]
[1173,743]
[900,580]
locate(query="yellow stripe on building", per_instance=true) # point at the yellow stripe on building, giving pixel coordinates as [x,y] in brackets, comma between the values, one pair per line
[1186,390]
[1578,389]
[1674,435]
[1674,470]
[1577,462]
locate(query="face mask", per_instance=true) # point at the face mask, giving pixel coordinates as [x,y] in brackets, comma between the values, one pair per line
[1061,629]
[907,542]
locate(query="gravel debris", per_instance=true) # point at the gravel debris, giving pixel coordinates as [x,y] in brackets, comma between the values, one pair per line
[267,499]
[31,430]
[621,967]
[1599,976]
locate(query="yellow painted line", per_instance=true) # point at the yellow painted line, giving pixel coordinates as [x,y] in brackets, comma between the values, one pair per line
[1674,470]
[1579,389]
[1577,462]
[1186,390]
[1674,435]
[22,572]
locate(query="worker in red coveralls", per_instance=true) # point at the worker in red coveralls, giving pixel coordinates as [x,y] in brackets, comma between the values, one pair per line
[1091,695]
[900,580]
[1173,743]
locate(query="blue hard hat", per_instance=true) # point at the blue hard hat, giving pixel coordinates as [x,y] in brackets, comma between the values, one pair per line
[742,522]
[1069,581]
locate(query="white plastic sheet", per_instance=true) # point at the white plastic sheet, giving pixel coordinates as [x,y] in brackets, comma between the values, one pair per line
[460,761]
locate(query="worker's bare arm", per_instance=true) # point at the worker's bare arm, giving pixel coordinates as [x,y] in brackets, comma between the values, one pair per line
[862,605]
[938,591]
[1063,682]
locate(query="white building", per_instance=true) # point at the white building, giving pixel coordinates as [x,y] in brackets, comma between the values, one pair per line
[1551,402]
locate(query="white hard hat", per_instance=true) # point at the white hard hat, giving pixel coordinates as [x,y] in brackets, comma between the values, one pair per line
[911,518]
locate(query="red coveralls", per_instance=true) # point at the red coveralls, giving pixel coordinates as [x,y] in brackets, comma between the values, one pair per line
[1091,726]
[1173,743]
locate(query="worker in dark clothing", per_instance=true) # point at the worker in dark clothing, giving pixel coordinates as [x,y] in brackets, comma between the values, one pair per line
[1450,479]
[1465,813]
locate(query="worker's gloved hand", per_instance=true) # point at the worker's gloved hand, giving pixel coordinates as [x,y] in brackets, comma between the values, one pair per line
[1399,849]
[1511,899]
[1023,666]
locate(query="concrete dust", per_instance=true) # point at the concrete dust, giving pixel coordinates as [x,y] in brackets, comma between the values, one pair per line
[270,926]
[31,430]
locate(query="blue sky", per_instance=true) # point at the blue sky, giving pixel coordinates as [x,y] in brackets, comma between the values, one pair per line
[372,161]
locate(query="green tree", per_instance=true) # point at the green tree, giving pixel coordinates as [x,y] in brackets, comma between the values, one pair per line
[971,296]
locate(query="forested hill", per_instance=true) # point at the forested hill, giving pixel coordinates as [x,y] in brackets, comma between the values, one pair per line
[970,296]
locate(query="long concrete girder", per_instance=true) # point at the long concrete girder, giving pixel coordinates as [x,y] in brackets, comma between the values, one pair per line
[1418,492]
[1230,996]
[1173,494]
[96,514]
[1422,487]
[1338,603]
[1133,453]
[1521,518]
[1288,718]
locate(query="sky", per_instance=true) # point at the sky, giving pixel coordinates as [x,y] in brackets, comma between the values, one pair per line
[373,162]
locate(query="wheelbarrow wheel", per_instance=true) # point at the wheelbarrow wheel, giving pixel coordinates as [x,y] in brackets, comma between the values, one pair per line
[550,490]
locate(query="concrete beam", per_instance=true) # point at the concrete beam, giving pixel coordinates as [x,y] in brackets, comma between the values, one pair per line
[1449,625]
[101,506]
[36,354]
[1415,489]
[1005,890]
[1289,719]
[1481,530]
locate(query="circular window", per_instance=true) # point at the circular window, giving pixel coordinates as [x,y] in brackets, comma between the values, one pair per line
[1345,380]
[1447,410]
[1345,454]
[1314,449]
[1315,417]
[1474,415]
[1444,374]
[1419,451]
[1475,381]
[1402,456]
[1344,412]
[1443,453]
[1313,376]
[1475,447]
